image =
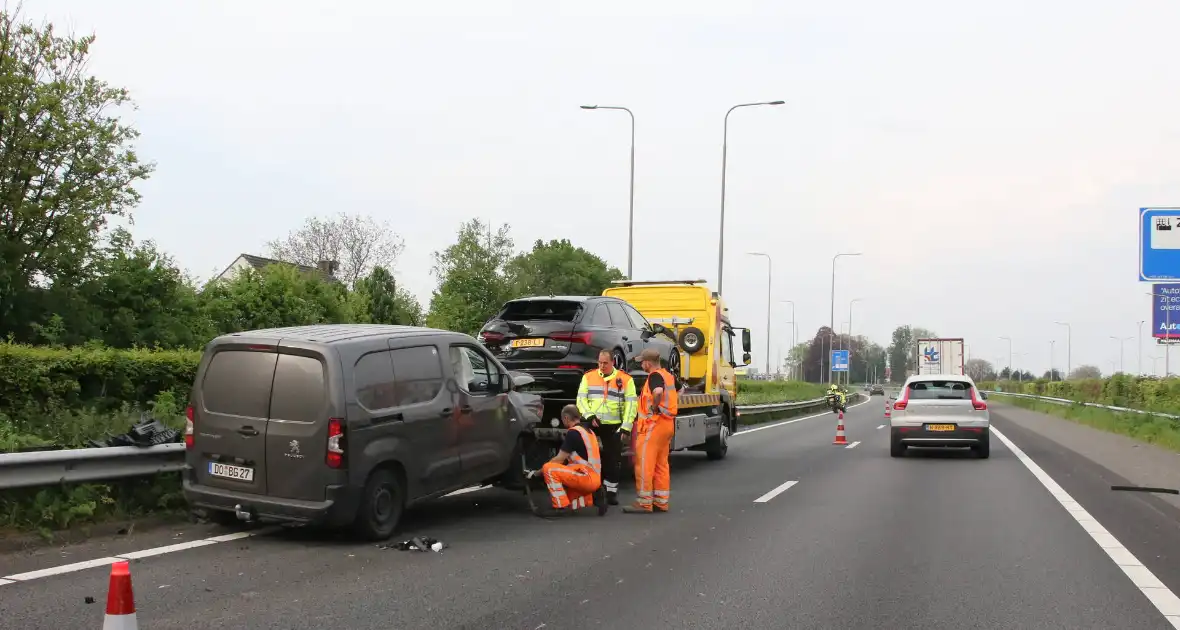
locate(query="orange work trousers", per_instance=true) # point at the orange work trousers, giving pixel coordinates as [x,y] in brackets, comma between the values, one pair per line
[571,486]
[653,478]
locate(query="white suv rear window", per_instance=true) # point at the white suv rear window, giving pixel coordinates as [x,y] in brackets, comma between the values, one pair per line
[940,390]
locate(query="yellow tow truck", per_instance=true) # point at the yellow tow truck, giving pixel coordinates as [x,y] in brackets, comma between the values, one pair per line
[698,320]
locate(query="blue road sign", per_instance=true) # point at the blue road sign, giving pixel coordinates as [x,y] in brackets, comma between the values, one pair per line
[1165,311]
[1159,244]
[839,360]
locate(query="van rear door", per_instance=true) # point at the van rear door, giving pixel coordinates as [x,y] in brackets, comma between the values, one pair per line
[297,432]
[231,403]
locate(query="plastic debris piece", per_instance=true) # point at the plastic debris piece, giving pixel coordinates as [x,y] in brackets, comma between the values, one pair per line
[417,543]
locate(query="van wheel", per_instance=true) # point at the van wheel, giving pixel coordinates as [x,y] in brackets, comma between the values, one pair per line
[381,506]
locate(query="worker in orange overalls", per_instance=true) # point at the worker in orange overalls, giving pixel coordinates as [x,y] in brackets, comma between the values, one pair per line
[654,430]
[574,475]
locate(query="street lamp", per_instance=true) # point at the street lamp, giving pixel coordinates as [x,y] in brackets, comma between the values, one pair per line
[769,290]
[1068,348]
[850,303]
[832,316]
[1009,340]
[1121,340]
[721,230]
[1051,346]
[1139,349]
[793,340]
[631,211]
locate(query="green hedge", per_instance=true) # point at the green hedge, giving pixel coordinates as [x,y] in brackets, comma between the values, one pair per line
[1121,390]
[751,392]
[65,396]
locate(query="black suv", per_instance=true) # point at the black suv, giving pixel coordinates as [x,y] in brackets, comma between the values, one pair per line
[348,424]
[556,339]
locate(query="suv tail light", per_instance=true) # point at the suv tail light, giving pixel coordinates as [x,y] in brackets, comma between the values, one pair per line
[188,427]
[572,337]
[976,402]
[491,335]
[900,403]
[335,456]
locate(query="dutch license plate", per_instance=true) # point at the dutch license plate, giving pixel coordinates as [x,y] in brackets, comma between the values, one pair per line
[940,427]
[238,473]
[528,343]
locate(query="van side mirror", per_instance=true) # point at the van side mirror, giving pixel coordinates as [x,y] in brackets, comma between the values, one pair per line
[746,344]
[983,395]
[504,384]
[521,380]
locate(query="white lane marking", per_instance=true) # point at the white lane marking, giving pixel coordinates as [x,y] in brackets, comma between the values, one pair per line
[774,493]
[853,445]
[793,421]
[1159,595]
[134,555]
[879,427]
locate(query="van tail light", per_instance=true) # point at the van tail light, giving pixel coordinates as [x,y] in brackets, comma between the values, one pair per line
[188,427]
[335,456]
[976,402]
[572,337]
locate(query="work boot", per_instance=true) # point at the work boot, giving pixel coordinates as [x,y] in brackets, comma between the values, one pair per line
[600,500]
[612,497]
[635,509]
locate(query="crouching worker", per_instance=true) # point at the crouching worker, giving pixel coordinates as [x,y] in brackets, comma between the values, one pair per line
[574,475]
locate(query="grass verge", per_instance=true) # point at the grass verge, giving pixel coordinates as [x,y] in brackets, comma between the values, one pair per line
[763,392]
[1163,432]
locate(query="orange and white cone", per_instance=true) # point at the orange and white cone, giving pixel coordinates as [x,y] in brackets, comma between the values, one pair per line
[888,409]
[120,600]
[840,440]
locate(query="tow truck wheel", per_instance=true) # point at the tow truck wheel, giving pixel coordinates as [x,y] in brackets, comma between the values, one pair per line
[716,448]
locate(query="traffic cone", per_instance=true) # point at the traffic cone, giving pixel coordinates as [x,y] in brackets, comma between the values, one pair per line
[120,600]
[840,440]
[888,409]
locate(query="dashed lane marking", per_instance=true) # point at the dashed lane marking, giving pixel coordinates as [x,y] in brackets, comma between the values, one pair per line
[774,493]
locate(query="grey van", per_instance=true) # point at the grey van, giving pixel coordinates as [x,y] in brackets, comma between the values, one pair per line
[348,424]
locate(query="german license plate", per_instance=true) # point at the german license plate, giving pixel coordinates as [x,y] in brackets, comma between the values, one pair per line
[238,473]
[528,343]
[940,427]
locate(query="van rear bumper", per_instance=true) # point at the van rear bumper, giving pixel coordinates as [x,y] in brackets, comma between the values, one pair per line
[339,507]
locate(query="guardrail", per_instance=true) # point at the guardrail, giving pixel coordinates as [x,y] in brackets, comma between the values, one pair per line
[46,468]
[1068,402]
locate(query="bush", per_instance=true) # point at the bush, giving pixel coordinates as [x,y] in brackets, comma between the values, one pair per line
[751,392]
[68,395]
[1120,390]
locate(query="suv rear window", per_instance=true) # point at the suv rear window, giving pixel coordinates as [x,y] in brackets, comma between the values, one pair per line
[237,383]
[549,310]
[940,390]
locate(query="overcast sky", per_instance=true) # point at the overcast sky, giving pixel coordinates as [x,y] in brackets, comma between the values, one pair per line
[988,161]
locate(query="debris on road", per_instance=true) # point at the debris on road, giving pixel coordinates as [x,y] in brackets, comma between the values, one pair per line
[147,432]
[417,543]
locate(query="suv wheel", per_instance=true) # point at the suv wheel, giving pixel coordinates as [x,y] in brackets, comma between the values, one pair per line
[381,507]
[896,448]
[619,360]
[983,449]
[674,364]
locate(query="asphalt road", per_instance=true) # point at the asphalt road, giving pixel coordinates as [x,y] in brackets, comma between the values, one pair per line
[936,540]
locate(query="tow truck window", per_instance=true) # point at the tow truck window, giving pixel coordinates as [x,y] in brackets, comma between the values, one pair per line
[727,345]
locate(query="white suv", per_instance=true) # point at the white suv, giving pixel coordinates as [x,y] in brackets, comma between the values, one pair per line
[939,410]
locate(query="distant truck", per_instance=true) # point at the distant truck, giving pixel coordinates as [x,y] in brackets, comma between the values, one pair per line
[940,356]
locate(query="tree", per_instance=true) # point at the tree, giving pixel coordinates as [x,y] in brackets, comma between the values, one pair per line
[272,297]
[358,243]
[796,357]
[379,300]
[818,361]
[559,268]
[1053,375]
[901,352]
[980,370]
[1085,371]
[67,162]
[471,274]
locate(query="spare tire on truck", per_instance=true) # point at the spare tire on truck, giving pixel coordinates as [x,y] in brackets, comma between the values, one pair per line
[692,339]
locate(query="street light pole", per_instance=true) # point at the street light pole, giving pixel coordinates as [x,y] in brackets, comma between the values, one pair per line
[724,157]
[1139,349]
[850,303]
[1068,348]
[1121,340]
[1051,346]
[793,341]
[769,300]
[832,315]
[631,210]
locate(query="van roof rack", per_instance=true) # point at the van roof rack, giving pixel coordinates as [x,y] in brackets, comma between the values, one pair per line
[638,283]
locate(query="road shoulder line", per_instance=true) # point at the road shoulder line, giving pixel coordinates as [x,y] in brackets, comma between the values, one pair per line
[1152,588]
